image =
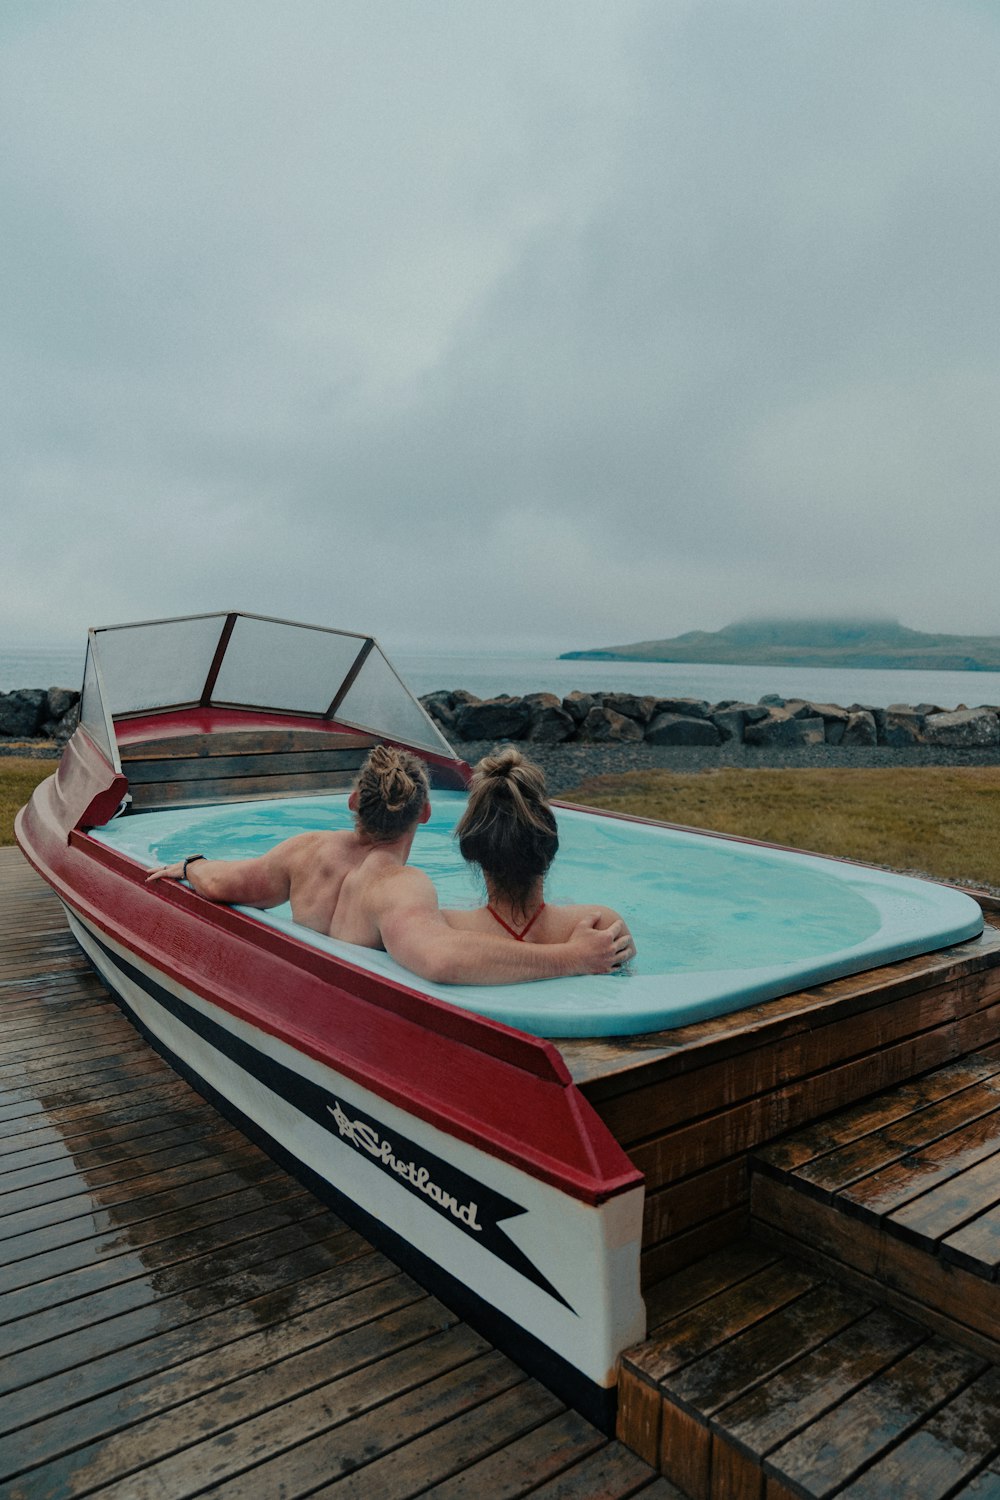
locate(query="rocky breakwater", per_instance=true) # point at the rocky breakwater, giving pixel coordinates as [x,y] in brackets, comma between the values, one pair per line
[772,723]
[38,714]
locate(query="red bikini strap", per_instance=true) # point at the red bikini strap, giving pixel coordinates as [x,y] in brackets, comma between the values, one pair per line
[518,936]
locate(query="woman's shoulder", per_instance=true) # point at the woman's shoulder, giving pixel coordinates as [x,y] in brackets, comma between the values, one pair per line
[587,912]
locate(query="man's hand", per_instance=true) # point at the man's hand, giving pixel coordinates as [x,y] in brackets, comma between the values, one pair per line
[599,950]
[166,872]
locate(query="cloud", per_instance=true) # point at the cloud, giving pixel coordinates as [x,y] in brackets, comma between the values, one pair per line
[570,324]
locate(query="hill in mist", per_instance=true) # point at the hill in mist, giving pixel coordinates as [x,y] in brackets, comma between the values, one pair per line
[880,644]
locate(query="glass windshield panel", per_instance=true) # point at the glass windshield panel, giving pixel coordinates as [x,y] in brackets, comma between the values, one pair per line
[379,701]
[273,665]
[159,664]
[91,708]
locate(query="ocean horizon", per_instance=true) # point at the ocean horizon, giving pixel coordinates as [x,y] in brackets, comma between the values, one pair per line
[488,674]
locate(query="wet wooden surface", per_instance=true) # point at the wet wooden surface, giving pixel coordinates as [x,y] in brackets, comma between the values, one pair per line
[902,1194]
[763,1377]
[178,1316]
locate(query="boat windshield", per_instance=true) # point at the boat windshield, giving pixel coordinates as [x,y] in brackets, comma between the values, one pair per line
[243,661]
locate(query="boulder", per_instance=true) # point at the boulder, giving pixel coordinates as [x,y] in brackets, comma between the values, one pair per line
[578,705]
[690,708]
[772,700]
[548,723]
[879,716]
[603,726]
[860,729]
[682,729]
[61,729]
[22,712]
[970,729]
[834,719]
[441,708]
[503,718]
[783,728]
[731,717]
[630,705]
[903,725]
[59,701]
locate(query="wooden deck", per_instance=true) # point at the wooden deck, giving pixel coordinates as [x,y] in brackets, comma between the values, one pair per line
[179,1317]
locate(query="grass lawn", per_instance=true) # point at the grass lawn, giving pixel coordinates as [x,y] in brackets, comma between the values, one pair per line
[940,821]
[19,775]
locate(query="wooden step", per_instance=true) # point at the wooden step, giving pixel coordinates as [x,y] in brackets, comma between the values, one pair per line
[901,1194]
[765,1378]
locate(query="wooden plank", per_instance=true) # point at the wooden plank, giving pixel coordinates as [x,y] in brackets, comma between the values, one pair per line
[966,1192]
[761,1351]
[686,1288]
[138,1195]
[246,742]
[721,1318]
[976,1246]
[123,1378]
[775,1410]
[663,1259]
[274,1230]
[204,1396]
[642,1112]
[199,768]
[891,1264]
[639,1411]
[941,1172]
[673,1209]
[66,1315]
[944,1450]
[705,1142]
[686,1452]
[824,1457]
[239,789]
[609,1473]
[736,1475]
[373,1410]
[985,1486]
[532,1451]
[826,1175]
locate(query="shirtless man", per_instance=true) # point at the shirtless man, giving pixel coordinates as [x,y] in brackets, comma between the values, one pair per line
[356,885]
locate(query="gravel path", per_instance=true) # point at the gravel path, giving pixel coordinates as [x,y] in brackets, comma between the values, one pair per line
[566,766]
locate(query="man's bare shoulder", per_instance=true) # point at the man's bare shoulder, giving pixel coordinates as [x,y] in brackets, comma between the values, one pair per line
[317,839]
[393,886]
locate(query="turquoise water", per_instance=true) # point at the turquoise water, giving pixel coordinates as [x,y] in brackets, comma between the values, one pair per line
[718,925]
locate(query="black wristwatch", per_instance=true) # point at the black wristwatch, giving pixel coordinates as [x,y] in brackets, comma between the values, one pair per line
[189,861]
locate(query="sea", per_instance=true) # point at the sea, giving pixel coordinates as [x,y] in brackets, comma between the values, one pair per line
[490,673]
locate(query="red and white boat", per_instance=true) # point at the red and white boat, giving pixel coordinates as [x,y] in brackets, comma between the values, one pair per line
[457,1143]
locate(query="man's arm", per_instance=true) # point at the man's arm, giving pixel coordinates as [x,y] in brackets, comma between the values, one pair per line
[416,935]
[262,882]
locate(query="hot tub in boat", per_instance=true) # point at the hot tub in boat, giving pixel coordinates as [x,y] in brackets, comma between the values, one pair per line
[437,1119]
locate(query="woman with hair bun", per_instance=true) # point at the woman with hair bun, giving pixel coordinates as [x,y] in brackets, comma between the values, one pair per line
[509,830]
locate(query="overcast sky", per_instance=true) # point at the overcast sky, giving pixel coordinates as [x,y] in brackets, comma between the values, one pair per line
[499,322]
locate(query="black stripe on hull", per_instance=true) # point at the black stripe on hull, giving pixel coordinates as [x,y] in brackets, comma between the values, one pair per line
[597,1403]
